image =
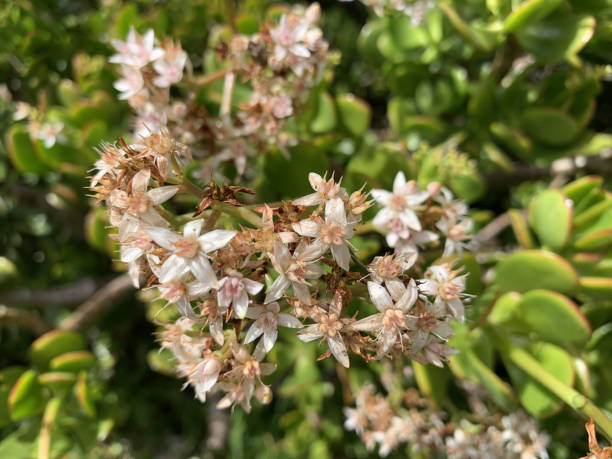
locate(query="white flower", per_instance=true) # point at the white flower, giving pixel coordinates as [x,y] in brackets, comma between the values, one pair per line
[294,270]
[131,83]
[456,235]
[181,293]
[267,319]
[234,290]
[324,191]
[203,376]
[282,106]
[169,69]
[333,232]
[141,201]
[328,326]
[50,133]
[447,288]
[189,250]
[400,203]
[137,51]
[288,37]
[394,303]
[452,209]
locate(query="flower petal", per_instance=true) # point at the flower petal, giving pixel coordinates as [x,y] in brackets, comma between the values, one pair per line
[380,297]
[215,239]
[338,349]
[277,289]
[193,228]
[342,255]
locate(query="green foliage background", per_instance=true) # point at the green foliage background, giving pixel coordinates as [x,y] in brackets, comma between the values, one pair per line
[452,98]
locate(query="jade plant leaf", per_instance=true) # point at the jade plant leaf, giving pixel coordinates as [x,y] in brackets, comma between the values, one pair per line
[551,216]
[596,287]
[529,12]
[325,117]
[22,152]
[54,343]
[549,126]
[531,269]
[58,381]
[554,317]
[536,399]
[354,113]
[578,189]
[73,361]
[521,228]
[26,398]
[556,38]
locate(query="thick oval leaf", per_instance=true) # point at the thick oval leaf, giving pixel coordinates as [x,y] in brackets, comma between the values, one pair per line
[594,211]
[531,269]
[55,343]
[8,378]
[325,115]
[549,126]
[58,382]
[26,398]
[73,361]
[536,399]
[354,113]
[528,12]
[432,382]
[82,391]
[22,152]
[557,38]
[596,287]
[594,241]
[505,309]
[578,189]
[162,361]
[521,228]
[554,317]
[551,216]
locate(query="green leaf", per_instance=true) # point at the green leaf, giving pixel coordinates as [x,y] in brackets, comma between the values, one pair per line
[58,382]
[354,113]
[54,343]
[578,189]
[475,36]
[536,399]
[554,317]
[468,186]
[557,38]
[521,229]
[466,365]
[432,383]
[597,240]
[325,115]
[549,126]
[405,34]
[22,152]
[96,230]
[26,398]
[284,178]
[598,210]
[531,269]
[505,309]
[73,361]
[596,287]
[551,216]
[528,12]
[82,391]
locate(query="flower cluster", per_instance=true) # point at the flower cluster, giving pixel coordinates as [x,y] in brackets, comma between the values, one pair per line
[148,69]
[280,65]
[215,276]
[292,267]
[405,207]
[382,424]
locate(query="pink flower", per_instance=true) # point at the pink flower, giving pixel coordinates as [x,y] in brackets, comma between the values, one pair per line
[333,232]
[137,51]
[234,290]
[131,83]
[288,38]
[324,191]
[400,203]
[294,270]
[267,319]
[170,68]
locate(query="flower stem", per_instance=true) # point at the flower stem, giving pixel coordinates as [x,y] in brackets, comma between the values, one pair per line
[573,398]
[240,212]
